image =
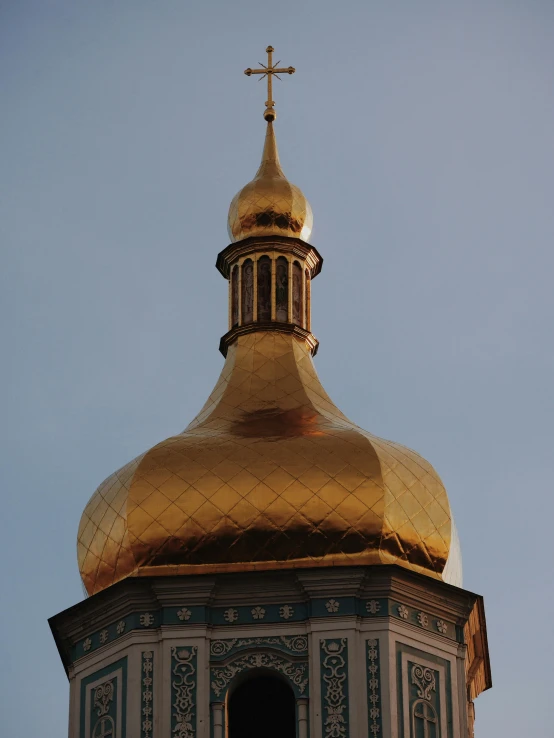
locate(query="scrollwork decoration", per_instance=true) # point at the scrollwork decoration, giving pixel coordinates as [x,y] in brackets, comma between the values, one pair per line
[424,680]
[294,644]
[183,691]
[334,671]
[297,673]
[103,696]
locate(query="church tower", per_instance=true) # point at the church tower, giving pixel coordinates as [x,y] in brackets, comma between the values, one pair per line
[273,571]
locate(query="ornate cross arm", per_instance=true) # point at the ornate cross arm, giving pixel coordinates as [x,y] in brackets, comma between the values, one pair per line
[268,71]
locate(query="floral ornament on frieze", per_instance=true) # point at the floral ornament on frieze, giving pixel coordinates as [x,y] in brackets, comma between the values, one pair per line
[373,607]
[422,619]
[403,612]
[286,612]
[332,606]
[231,615]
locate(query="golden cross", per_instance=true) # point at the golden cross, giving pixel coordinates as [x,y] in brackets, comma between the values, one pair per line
[269,71]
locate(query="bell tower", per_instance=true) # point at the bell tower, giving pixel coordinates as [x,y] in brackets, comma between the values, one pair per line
[273,570]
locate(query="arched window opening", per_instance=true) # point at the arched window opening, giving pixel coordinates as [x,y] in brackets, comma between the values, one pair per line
[262,706]
[248,291]
[297,294]
[425,723]
[264,288]
[282,290]
[235,296]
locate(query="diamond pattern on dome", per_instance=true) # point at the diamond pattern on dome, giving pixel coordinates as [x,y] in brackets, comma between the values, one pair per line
[269,204]
[270,474]
[264,208]
[103,550]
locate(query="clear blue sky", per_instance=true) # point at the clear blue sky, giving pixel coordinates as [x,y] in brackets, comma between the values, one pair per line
[423,135]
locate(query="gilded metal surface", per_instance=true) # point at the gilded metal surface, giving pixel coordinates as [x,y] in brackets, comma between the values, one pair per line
[270,205]
[270,474]
[269,72]
[266,244]
[302,333]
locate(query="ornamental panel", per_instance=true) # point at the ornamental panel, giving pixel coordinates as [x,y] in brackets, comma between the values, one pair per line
[374,708]
[184,678]
[286,655]
[334,687]
[425,694]
[424,701]
[103,702]
[147,695]
[293,645]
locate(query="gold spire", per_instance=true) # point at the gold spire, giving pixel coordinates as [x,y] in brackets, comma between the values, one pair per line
[270,205]
[270,165]
[269,71]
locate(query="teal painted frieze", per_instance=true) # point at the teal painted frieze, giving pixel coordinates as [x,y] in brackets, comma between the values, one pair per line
[256,614]
[425,620]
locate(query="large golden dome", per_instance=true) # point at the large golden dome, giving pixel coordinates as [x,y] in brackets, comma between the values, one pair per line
[269,475]
[270,205]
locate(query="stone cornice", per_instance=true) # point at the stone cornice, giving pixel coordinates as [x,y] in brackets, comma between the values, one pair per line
[266,327]
[287,598]
[282,244]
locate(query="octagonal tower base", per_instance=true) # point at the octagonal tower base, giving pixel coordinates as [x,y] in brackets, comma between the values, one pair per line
[360,652]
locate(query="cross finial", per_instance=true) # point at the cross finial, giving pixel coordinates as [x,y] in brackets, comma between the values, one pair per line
[269,71]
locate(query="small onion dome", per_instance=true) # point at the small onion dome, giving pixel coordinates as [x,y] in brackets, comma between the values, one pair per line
[270,205]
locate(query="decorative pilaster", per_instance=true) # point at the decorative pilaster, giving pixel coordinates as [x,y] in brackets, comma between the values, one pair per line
[373,688]
[183,691]
[334,687]
[302,713]
[147,695]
